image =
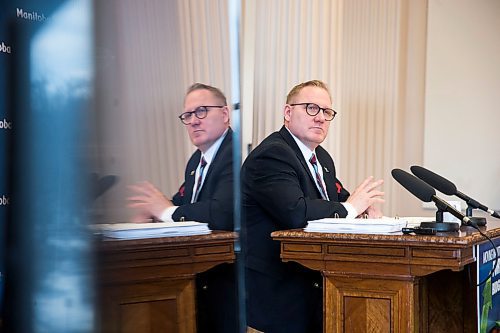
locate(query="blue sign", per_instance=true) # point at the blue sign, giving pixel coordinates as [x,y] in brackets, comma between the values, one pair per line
[488,293]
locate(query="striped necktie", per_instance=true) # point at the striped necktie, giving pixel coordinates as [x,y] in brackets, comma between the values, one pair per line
[203,163]
[321,187]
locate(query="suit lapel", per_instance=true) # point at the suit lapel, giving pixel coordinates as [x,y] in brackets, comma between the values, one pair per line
[213,166]
[190,176]
[291,142]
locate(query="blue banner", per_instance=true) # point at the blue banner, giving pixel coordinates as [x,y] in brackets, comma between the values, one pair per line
[488,293]
[6,53]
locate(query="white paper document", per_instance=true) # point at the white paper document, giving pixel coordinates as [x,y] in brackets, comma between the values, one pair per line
[368,226]
[414,221]
[151,230]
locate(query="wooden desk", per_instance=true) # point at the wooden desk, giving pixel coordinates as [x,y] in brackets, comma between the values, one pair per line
[392,282]
[148,285]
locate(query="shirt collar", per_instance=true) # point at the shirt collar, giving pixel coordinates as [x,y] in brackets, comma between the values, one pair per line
[306,152]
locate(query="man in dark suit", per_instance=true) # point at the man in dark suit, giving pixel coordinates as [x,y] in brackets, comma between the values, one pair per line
[287,180]
[205,196]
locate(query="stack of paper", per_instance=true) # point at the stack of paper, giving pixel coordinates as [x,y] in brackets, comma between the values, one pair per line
[151,230]
[414,221]
[368,226]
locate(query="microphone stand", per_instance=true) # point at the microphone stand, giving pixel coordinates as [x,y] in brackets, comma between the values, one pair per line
[480,221]
[439,224]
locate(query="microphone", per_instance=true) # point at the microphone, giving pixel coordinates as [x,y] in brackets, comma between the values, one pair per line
[447,187]
[100,185]
[426,193]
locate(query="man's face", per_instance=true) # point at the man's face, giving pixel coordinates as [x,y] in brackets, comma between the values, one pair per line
[204,132]
[311,130]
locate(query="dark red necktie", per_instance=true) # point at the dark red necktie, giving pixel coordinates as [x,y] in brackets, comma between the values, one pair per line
[203,163]
[321,188]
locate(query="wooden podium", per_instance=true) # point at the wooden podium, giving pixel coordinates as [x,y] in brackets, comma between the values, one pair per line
[392,282]
[148,285]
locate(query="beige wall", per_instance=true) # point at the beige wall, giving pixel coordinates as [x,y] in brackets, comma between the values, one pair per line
[372,53]
[462,112]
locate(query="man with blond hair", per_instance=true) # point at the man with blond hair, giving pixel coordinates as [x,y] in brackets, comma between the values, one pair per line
[205,196]
[287,180]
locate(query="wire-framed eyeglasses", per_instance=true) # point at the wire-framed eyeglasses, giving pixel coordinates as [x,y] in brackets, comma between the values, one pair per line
[200,112]
[313,109]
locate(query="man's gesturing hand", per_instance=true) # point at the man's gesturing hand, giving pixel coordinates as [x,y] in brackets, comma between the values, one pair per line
[148,200]
[366,195]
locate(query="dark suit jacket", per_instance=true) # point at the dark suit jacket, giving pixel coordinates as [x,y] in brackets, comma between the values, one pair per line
[215,201]
[216,288]
[279,192]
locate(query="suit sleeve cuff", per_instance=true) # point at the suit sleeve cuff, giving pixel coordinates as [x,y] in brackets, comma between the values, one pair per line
[351,211]
[166,216]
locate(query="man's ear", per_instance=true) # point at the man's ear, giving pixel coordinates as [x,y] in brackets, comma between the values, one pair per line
[287,112]
[225,112]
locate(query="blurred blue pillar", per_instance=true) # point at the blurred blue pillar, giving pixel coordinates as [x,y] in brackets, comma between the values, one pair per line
[234,11]
[49,285]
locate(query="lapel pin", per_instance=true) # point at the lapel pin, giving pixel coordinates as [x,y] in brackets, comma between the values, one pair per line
[326,169]
[192,173]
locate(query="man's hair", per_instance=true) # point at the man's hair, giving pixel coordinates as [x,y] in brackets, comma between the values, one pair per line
[215,91]
[313,83]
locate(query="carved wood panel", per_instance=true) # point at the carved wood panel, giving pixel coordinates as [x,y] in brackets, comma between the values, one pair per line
[370,304]
[164,306]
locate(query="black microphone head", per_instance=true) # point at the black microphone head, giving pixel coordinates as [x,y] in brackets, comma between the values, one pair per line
[439,183]
[415,186]
[99,185]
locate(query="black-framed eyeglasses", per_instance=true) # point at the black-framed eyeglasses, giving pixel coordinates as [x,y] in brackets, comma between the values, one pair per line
[313,109]
[200,112]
